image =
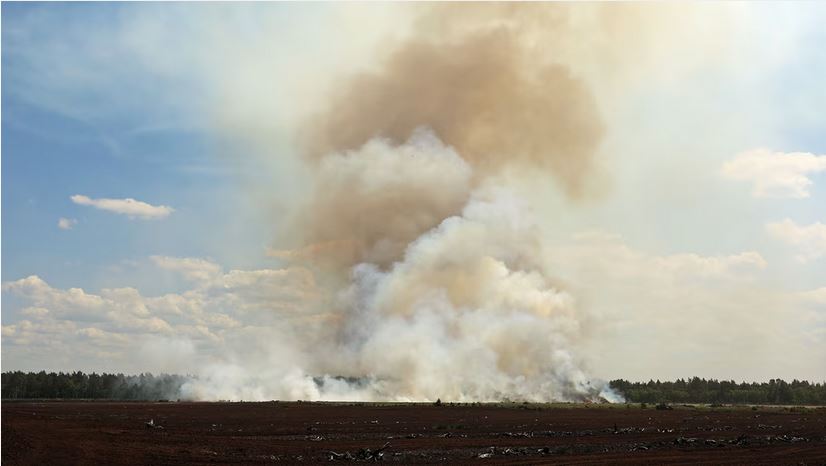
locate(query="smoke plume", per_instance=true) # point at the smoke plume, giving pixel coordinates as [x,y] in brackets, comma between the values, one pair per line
[482,95]
[432,264]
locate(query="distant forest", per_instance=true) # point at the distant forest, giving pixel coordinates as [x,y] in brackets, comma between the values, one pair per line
[77,385]
[697,390]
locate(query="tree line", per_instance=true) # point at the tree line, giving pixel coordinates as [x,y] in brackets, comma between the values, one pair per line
[77,385]
[697,390]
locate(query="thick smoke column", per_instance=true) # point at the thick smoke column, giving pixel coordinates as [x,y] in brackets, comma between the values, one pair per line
[488,91]
[481,94]
[369,204]
[467,314]
[434,267]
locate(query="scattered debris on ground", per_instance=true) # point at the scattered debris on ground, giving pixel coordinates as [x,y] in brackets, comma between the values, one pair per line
[365,454]
[151,425]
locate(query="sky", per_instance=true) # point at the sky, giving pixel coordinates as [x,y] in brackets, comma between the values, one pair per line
[152,166]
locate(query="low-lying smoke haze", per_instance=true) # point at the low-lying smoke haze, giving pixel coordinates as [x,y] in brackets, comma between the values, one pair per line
[471,202]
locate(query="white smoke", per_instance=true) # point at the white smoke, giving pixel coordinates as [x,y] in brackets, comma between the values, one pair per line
[468,314]
[463,310]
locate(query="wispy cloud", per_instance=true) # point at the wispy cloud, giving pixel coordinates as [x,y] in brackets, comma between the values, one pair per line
[810,240]
[192,268]
[66,223]
[775,174]
[131,207]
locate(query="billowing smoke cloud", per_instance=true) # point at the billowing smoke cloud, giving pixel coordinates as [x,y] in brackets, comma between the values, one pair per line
[431,263]
[369,204]
[476,79]
[468,314]
[434,264]
[483,95]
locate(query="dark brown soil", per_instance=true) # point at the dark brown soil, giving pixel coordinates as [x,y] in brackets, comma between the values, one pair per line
[249,433]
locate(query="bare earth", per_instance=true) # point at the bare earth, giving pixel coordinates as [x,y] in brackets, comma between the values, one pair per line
[292,432]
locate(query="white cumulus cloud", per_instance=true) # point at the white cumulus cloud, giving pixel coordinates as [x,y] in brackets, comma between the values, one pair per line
[66,223]
[115,329]
[131,207]
[809,240]
[191,268]
[775,174]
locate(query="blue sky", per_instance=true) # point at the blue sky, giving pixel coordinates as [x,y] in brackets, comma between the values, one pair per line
[90,139]
[197,107]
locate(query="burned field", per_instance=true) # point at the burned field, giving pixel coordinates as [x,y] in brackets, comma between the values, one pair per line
[245,433]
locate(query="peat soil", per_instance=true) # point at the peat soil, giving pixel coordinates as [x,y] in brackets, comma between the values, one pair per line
[94,432]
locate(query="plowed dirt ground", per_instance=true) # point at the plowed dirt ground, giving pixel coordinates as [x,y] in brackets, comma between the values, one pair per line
[94,432]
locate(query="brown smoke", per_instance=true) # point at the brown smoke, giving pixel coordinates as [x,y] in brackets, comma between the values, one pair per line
[483,95]
[368,205]
[470,74]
